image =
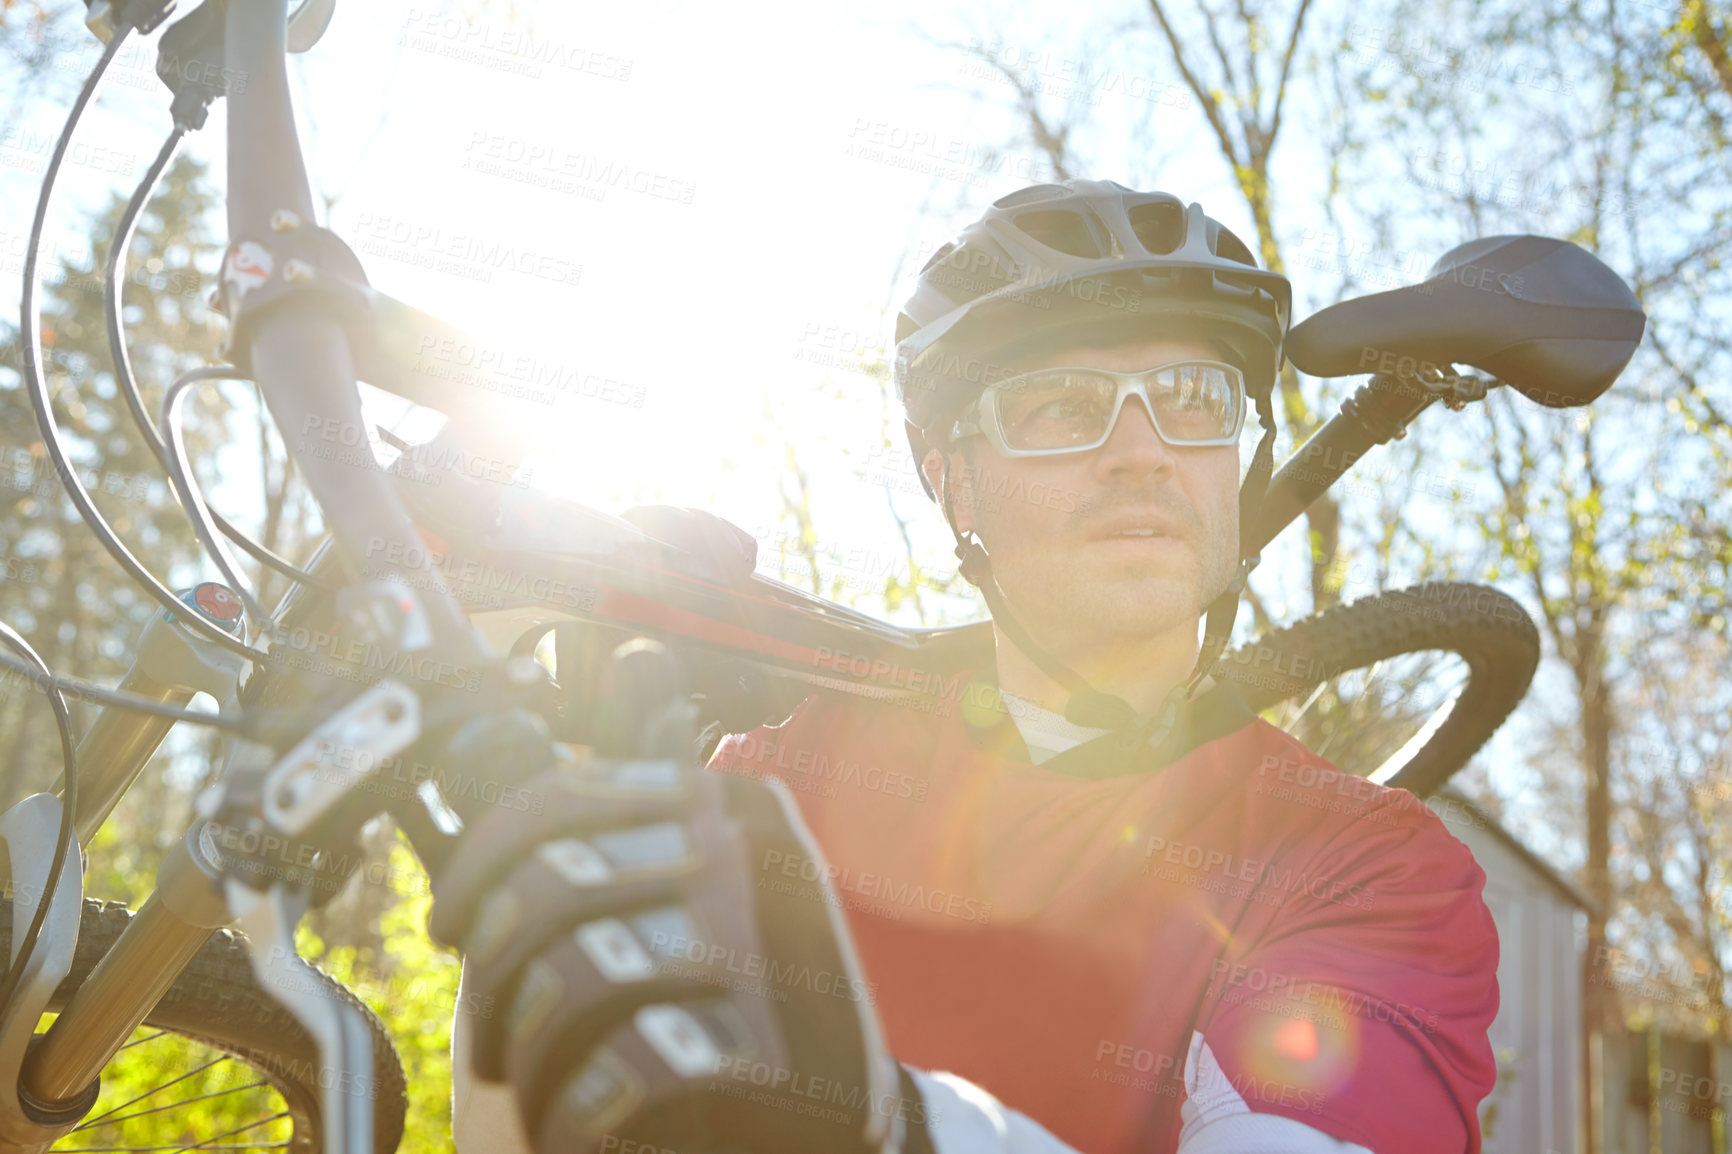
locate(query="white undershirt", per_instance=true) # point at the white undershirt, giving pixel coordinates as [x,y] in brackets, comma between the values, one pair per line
[1047,734]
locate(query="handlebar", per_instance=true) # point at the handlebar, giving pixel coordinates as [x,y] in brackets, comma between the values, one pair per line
[297,348]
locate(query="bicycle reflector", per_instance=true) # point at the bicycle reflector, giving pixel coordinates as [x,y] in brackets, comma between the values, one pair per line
[216,603]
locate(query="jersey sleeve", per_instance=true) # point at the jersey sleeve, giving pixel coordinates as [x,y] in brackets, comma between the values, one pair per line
[1363,1009]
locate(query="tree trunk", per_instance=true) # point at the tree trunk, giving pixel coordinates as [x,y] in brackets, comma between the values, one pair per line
[1599,1000]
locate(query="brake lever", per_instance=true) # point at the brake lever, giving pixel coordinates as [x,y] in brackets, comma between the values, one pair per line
[345,1046]
[298,801]
[309,781]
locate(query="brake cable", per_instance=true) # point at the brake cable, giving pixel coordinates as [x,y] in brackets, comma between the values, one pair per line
[114,319]
[180,473]
[77,689]
[36,379]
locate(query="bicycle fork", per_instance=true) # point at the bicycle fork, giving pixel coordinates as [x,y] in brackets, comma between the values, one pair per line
[48,1083]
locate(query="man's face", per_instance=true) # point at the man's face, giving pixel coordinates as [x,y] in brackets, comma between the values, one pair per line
[1068,534]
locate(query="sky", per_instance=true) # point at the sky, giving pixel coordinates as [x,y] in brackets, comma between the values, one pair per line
[694,214]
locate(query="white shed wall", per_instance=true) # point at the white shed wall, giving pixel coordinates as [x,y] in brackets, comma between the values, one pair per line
[1537,1106]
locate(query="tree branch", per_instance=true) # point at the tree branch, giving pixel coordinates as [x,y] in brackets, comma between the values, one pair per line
[1211,107]
[1286,68]
[1713,45]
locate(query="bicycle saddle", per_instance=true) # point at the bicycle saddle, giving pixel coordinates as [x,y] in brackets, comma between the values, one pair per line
[1543,315]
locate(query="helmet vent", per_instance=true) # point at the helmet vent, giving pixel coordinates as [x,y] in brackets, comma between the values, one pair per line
[1030,194]
[1229,246]
[1065,231]
[1159,225]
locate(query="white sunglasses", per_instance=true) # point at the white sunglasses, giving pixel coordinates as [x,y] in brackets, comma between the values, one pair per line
[1072,410]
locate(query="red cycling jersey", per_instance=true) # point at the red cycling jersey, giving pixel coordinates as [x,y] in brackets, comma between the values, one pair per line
[1072,936]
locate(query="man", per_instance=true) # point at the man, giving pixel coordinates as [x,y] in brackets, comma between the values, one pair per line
[1115,910]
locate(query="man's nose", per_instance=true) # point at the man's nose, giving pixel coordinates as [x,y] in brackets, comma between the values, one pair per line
[1134,445]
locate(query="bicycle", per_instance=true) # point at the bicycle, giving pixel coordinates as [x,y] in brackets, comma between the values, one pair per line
[305,326]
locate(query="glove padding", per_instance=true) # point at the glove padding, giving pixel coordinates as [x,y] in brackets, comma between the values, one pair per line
[664,976]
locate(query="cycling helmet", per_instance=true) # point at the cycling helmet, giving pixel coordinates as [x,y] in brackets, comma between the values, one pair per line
[1085,261]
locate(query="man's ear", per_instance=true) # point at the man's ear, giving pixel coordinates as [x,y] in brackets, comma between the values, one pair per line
[961,486]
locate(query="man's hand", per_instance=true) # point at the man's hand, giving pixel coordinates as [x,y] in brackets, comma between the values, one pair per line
[662,978]
[718,550]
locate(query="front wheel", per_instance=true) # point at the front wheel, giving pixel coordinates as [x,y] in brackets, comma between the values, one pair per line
[1402,687]
[219,1064]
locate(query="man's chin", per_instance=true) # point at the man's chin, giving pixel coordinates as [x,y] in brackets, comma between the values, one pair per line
[1142,606]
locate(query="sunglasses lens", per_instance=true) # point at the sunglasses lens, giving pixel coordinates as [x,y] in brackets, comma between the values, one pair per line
[1196,402]
[1063,409]
[1073,408]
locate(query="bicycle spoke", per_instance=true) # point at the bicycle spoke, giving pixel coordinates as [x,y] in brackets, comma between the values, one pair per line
[206,1144]
[1414,744]
[1374,719]
[177,1149]
[171,1105]
[1290,720]
[157,1090]
[146,1038]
